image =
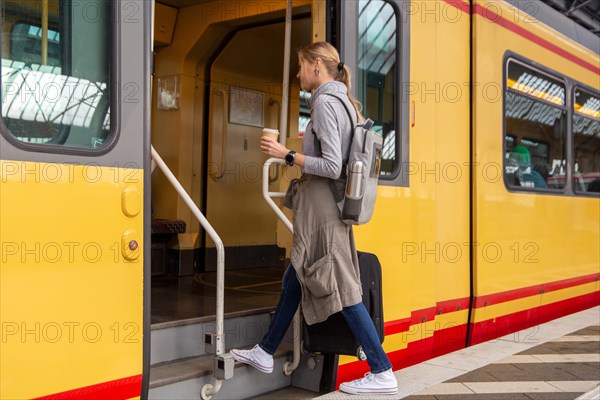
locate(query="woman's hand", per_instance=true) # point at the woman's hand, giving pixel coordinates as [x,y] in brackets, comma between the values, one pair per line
[273,148]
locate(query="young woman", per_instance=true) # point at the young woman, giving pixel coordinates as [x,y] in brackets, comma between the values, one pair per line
[324,271]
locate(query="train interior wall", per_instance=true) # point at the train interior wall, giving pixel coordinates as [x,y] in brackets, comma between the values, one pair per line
[217,83]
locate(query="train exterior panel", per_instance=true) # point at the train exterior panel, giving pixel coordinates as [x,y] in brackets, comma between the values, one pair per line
[420,230]
[488,212]
[536,249]
[74,198]
[82,305]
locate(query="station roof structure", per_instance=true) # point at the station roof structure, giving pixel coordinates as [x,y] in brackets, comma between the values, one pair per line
[585,12]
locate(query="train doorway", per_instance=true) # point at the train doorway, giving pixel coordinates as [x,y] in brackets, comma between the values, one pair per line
[245,96]
[235,91]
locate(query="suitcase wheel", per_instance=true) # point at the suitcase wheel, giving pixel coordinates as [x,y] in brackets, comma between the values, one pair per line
[303,350]
[360,354]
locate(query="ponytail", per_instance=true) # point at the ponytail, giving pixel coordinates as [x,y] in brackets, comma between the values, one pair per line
[337,69]
[345,76]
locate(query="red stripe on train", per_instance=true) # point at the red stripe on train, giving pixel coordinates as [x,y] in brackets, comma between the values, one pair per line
[428,314]
[464,7]
[506,324]
[519,30]
[498,19]
[424,315]
[119,389]
[515,294]
[451,339]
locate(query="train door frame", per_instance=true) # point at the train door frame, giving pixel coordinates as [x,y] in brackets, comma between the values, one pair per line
[348,40]
[119,180]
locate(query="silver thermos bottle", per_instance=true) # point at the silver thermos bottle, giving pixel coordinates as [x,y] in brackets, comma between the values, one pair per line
[356,177]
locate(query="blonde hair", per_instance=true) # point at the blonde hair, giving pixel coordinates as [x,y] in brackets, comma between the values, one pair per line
[331,60]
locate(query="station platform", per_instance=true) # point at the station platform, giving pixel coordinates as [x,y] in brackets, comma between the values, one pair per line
[558,360]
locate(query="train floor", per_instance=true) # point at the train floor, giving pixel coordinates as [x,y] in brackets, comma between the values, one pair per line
[185,298]
[558,360]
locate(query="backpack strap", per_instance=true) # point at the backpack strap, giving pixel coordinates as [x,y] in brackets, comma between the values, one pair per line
[338,186]
[367,124]
[352,122]
[352,126]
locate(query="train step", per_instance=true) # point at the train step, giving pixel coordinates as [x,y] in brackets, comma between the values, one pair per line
[185,338]
[288,393]
[180,366]
[184,379]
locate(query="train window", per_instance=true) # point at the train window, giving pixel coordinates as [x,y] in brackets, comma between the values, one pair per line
[376,74]
[539,151]
[304,117]
[586,142]
[55,72]
[535,129]
[26,44]
[509,142]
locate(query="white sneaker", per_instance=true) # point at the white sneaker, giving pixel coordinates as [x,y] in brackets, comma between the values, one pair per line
[257,357]
[381,383]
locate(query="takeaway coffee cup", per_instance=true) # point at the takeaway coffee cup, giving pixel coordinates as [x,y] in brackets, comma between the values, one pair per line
[272,133]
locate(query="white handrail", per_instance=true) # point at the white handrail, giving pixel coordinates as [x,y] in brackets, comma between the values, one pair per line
[208,390]
[268,196]
[289,367]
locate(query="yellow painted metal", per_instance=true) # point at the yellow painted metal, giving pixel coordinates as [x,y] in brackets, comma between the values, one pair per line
[569,293]
[523,239]
[130,249]
[421,232]
[131,201]
[70,302]
[319,18]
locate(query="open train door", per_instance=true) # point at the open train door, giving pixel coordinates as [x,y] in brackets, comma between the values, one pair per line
[74,156]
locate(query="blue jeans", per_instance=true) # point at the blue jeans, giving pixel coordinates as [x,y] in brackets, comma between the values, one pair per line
[356,316]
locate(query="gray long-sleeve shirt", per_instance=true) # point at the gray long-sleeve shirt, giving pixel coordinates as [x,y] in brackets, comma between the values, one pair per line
[333,128]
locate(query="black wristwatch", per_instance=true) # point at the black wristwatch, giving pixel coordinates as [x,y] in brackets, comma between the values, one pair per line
[289,158]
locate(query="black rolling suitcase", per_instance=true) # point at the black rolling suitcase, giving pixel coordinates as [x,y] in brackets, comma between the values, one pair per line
[334,335]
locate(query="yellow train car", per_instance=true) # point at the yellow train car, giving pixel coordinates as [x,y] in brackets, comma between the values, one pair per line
[74,197]
[488,211]
[537,239]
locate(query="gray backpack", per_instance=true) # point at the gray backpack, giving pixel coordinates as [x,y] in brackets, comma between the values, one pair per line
[362,172]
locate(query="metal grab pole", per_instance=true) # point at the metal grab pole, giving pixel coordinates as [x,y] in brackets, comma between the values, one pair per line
[208,390]
[288,368]
[285,89]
